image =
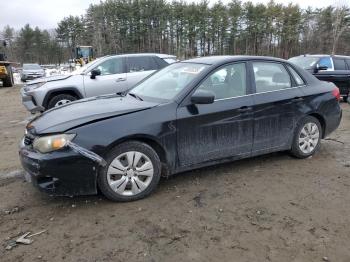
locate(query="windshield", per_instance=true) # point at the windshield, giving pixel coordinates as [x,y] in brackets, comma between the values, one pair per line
[31,67]
[168,82]
[84,52]
[305,62]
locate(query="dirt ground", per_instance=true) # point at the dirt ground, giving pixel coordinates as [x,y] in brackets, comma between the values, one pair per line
[270,208]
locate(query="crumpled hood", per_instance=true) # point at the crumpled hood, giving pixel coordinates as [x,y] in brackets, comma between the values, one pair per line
[84,111]
[49,79]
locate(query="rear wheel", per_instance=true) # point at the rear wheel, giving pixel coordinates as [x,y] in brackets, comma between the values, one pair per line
[345,98]
[8,81]
[307,137]
[60,100]
[132,172]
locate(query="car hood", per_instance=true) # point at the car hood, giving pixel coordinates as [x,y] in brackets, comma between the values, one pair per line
[50,79]
[85,111]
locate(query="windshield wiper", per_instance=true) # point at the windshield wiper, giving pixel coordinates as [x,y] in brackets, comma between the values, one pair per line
[136,96]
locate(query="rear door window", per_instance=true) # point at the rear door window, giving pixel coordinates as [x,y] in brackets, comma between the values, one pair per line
[270,76]
[141,63]
[339,64]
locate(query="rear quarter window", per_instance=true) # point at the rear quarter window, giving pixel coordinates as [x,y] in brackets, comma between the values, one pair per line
[297,78]
[161,63]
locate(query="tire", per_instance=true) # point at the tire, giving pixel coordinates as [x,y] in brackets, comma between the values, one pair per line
[8,81]
[345,99]
[299,139]
[128,185]
[64,98]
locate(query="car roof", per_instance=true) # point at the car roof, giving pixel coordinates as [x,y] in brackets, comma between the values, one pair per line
[213,60]
[324,55]
[142,54]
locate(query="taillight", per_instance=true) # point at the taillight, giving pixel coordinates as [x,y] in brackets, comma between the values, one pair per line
[336,93]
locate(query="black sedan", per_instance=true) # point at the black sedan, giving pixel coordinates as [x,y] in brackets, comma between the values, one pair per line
[188,115]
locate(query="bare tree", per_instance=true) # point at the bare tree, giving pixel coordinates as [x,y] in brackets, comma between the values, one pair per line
[341,23]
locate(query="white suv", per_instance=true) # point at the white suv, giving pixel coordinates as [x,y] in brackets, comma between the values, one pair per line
[106,75]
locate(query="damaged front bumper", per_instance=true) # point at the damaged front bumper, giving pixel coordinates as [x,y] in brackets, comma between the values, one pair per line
[68,172]
[29,103]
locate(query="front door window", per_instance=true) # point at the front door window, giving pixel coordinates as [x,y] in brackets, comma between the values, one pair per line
[226,82]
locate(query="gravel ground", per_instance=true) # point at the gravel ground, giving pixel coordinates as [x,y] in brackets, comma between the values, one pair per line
[269,208]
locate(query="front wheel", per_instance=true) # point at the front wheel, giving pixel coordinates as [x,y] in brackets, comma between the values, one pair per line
[60,100]
[132,172]
[307,137]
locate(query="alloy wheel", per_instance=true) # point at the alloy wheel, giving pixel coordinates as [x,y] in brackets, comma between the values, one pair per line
[130,173]
[308,138]
[62,102]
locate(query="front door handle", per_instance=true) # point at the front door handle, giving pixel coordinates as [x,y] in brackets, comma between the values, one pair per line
[244,109]
[120,79]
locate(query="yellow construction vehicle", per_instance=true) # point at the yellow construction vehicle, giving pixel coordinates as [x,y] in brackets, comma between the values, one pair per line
[6,75]
[83,54]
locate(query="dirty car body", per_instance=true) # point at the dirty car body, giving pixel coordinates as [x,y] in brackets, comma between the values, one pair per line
[260,117]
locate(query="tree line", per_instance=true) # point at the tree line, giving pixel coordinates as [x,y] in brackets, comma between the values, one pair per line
[188,30]
[31,45]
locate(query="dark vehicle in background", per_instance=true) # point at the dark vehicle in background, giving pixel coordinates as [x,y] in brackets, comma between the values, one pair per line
[331,68]
[31,71]
[188,115]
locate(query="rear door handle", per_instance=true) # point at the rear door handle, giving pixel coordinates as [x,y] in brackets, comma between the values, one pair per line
[297,99]
[244,109]
[120,79]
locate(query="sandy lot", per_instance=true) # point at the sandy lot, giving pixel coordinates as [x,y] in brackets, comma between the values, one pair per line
[270,208]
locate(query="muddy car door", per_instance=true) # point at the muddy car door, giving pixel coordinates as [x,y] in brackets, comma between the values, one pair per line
[220,129]
[277,106]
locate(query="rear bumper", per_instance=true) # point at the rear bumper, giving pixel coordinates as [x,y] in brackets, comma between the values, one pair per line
[333,120]
[61,173]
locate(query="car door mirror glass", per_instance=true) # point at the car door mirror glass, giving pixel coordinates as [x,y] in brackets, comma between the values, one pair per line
[94,73]
[202,97]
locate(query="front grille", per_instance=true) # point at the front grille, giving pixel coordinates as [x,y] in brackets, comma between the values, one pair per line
[28,140]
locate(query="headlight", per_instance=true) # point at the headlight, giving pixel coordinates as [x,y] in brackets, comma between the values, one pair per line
[35,86]
[48,144]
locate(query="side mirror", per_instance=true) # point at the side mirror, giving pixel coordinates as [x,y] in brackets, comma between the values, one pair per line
[203,97]
[94,73]
[320,67]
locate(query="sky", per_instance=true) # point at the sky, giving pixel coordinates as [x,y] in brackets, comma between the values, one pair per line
[47,13]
